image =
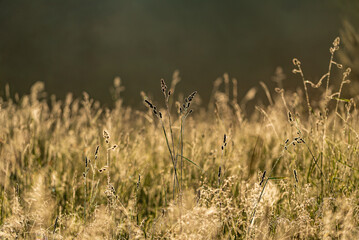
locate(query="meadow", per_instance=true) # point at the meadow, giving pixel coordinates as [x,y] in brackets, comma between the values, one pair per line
[180,168]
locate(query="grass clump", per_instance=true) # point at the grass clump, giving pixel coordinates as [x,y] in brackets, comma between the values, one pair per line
[73,169]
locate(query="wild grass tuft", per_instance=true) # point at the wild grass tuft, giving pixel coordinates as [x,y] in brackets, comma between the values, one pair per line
[73,169]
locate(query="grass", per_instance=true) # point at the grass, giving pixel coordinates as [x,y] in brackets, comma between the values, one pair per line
[176,170]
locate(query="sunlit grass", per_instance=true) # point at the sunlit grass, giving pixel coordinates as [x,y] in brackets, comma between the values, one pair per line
[177,170]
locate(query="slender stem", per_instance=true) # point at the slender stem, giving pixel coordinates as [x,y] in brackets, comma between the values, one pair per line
[325,114]
[329,70]
[337,105]
[173,151]
[315,161]
[182,128]
[181,134]
[326,99]
[223,163]
[306,90]
[255,207]
[108,166]
[174,160]
[85,185]
[170,124]
[261,195]
[171,154]
[93,167]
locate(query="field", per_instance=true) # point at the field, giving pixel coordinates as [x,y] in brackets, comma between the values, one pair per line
[180,168]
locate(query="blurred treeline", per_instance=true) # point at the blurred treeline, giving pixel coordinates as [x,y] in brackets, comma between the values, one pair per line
[76,46]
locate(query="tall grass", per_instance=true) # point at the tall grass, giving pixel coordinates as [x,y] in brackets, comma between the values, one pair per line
[75,170]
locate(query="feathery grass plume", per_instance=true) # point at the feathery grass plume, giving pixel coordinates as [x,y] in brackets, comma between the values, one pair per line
[278,77]
[40,199]
[116,91]
[269,119]
[175,80]
[235,91]
[250,95]
[14,225]
[226,83]
[216,84]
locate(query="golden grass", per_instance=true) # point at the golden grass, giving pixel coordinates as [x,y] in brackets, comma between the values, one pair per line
[76,170]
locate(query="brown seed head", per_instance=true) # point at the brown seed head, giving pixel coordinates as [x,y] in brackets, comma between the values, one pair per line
[149,103]
[163,85]
[295,175]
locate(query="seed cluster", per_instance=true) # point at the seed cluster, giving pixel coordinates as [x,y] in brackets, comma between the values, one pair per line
[154,109]
[224,142]
[187,102]
[296,140]
[106,136]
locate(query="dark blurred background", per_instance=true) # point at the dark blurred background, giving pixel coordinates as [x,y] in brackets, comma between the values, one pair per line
[82,45]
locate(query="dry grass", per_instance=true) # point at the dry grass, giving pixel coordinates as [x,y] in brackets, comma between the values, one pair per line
[76,170]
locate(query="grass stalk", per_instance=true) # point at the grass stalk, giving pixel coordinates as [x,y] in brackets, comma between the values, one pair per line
[171,155]
[252,218]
